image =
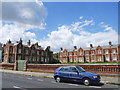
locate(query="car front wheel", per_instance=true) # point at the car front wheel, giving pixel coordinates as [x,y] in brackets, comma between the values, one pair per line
[58,79]
[86,81]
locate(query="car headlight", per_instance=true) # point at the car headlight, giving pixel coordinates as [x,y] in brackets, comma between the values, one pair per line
[94,76]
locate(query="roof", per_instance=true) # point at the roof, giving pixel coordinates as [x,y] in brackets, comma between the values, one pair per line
[94,48]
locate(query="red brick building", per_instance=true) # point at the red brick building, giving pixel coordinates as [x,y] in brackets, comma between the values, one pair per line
[33,53]
[108,53]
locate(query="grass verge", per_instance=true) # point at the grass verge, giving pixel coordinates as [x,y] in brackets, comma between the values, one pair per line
[113,83]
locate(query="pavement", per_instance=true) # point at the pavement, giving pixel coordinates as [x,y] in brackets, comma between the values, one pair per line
[104,79]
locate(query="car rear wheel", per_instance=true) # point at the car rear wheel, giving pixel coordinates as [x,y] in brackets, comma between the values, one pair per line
[86,81]
[58,79]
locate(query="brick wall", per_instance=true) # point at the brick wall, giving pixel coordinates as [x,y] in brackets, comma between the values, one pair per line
[112,69]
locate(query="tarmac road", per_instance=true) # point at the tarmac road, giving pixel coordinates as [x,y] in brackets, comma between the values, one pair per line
[24,82]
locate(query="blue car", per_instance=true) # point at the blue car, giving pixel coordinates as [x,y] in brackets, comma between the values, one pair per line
[75,73]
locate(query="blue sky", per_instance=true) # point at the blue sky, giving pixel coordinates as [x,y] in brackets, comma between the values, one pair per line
[64,13]
[61,24]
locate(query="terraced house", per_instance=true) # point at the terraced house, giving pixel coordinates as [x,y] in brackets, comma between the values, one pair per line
[33,53]
[108,53]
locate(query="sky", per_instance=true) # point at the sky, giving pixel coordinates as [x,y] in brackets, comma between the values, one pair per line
[60,24]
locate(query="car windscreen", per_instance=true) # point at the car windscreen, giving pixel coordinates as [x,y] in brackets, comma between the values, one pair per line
[80,69]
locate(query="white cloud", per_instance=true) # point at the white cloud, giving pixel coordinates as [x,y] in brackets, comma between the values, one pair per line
[23,16]
[106,27]
[81,17]
[29,14]
[66,38]
[15,32]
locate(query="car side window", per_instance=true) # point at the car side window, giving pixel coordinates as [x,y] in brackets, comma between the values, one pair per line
[64,69]
[73,69]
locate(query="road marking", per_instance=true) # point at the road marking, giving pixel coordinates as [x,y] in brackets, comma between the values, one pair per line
[19,88]
[73,84]
[39,79]
[16,87]
[29,78]
[94,87]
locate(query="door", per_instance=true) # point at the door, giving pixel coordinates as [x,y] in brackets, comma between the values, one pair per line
[64,73]
[74,74]
[21,65]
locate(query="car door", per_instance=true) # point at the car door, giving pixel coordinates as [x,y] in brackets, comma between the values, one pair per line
[74,74]
[64,73]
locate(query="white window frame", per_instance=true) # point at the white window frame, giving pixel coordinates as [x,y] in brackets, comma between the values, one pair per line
[114,59]
[106,51]
[113,50]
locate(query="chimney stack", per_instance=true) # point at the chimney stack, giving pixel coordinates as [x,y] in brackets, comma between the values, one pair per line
[28,43]
[110,43]
[61,49]
[91,46]
[75,47]
[20,40]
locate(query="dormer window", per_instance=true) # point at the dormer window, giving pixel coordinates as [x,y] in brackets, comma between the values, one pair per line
[81,53]
[99,52]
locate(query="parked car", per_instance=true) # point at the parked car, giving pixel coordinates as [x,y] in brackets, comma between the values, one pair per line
[75,73]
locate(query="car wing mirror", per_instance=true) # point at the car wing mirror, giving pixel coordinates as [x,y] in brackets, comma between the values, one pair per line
[76,71]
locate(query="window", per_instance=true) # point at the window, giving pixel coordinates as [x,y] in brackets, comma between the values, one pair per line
[26,51]
[87,53]
[19,50]
[75,59]
[46,53]
[114,51]
[81,53]
[99,58]
[26,57]
[106,51]
[65,54]
[87,58]
[34,58]
[11,50]
[19,57]
[92,58]
[75,53]
[114,57]
[80,59]
[70,59]
[42,59]
[70,54]
[45,59]
[92,52]
[107,58]
[99,52]
[64,69]
[33,51]
[37,52]
[37,58]
[42,53]
[73,69]
[12,58]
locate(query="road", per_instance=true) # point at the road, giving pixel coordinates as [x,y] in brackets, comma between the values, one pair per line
[24,82]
